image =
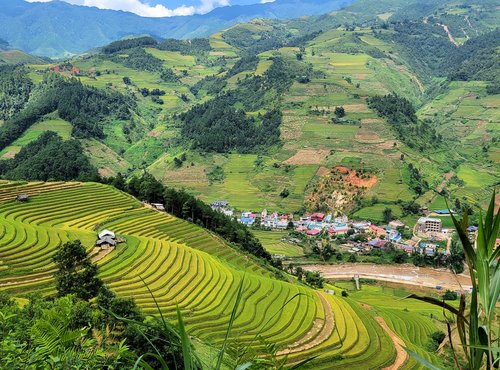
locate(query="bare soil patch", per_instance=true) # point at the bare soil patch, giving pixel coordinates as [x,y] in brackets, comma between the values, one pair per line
[403,274]
[323,171]
[10,154]
[308,156]
[361,108]
[154,133]
[365,135]
[338,188]
[353,178]
[447,176]
[360,75]
[320,331]
[371,120]
[106,172]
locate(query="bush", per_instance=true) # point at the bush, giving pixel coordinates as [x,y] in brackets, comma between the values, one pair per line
[450,296]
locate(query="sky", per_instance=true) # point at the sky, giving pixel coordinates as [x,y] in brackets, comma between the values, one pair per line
[160,8]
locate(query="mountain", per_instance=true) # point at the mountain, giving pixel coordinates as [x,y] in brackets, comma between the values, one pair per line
[57,29]
[383,104]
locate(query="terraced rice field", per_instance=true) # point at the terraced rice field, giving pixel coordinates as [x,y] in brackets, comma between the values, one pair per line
[183,265]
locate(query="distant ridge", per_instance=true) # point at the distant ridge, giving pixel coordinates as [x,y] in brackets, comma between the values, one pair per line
[58,29]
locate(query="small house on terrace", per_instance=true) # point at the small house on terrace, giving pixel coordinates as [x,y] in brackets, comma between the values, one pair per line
[106,239]
[22,197]
[106,232]
[158,206]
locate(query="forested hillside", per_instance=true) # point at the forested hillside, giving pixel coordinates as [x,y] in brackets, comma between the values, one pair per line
[261,114]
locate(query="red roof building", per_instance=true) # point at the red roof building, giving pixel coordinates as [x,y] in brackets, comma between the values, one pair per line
[313,232]
[377,231]
[317,216]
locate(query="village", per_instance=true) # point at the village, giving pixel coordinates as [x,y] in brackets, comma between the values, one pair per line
[427,237]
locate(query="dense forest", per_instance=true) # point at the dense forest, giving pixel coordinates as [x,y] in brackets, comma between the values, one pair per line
[222,124]
[49,158]
[15,89]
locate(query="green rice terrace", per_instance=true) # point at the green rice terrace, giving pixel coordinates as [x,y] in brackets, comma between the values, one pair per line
[188,266]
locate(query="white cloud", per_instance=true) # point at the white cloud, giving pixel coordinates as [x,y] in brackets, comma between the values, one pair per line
[145,9]
[266,1]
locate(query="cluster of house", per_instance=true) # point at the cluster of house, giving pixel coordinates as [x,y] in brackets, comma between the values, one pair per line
[223,207]
[319,223]
[72,70]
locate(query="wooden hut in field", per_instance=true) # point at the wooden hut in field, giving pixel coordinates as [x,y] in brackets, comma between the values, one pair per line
[106,239]
[22,197]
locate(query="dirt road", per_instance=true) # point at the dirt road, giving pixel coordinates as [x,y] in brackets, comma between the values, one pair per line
[401,355]
[404,274]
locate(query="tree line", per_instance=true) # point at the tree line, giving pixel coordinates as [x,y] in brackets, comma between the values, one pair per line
[185,206]
[401,115]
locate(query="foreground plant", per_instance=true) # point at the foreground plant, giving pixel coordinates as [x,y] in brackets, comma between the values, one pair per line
[478,329]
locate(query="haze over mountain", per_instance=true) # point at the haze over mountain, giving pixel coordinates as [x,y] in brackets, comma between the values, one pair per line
[56,28]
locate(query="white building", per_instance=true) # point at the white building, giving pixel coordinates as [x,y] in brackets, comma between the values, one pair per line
[429,225]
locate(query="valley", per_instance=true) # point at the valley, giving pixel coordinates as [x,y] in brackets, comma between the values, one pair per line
[247,190]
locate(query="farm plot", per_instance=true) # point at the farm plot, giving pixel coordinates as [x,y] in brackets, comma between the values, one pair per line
[271,240]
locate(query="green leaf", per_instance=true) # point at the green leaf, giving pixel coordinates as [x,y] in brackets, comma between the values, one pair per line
[230,324]
[422,361]
[186,343]
[436,302]
[302,363]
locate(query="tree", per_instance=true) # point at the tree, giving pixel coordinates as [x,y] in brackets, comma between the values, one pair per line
[387,215]
[339,112]
[314,279]
[284,193]
[299,272]
[450,295]
[457,257]
[127,80]
[76,273]
[353,258]
[327,252]
[400,256]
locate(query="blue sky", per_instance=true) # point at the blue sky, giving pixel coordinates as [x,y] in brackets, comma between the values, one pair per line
[159,8]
